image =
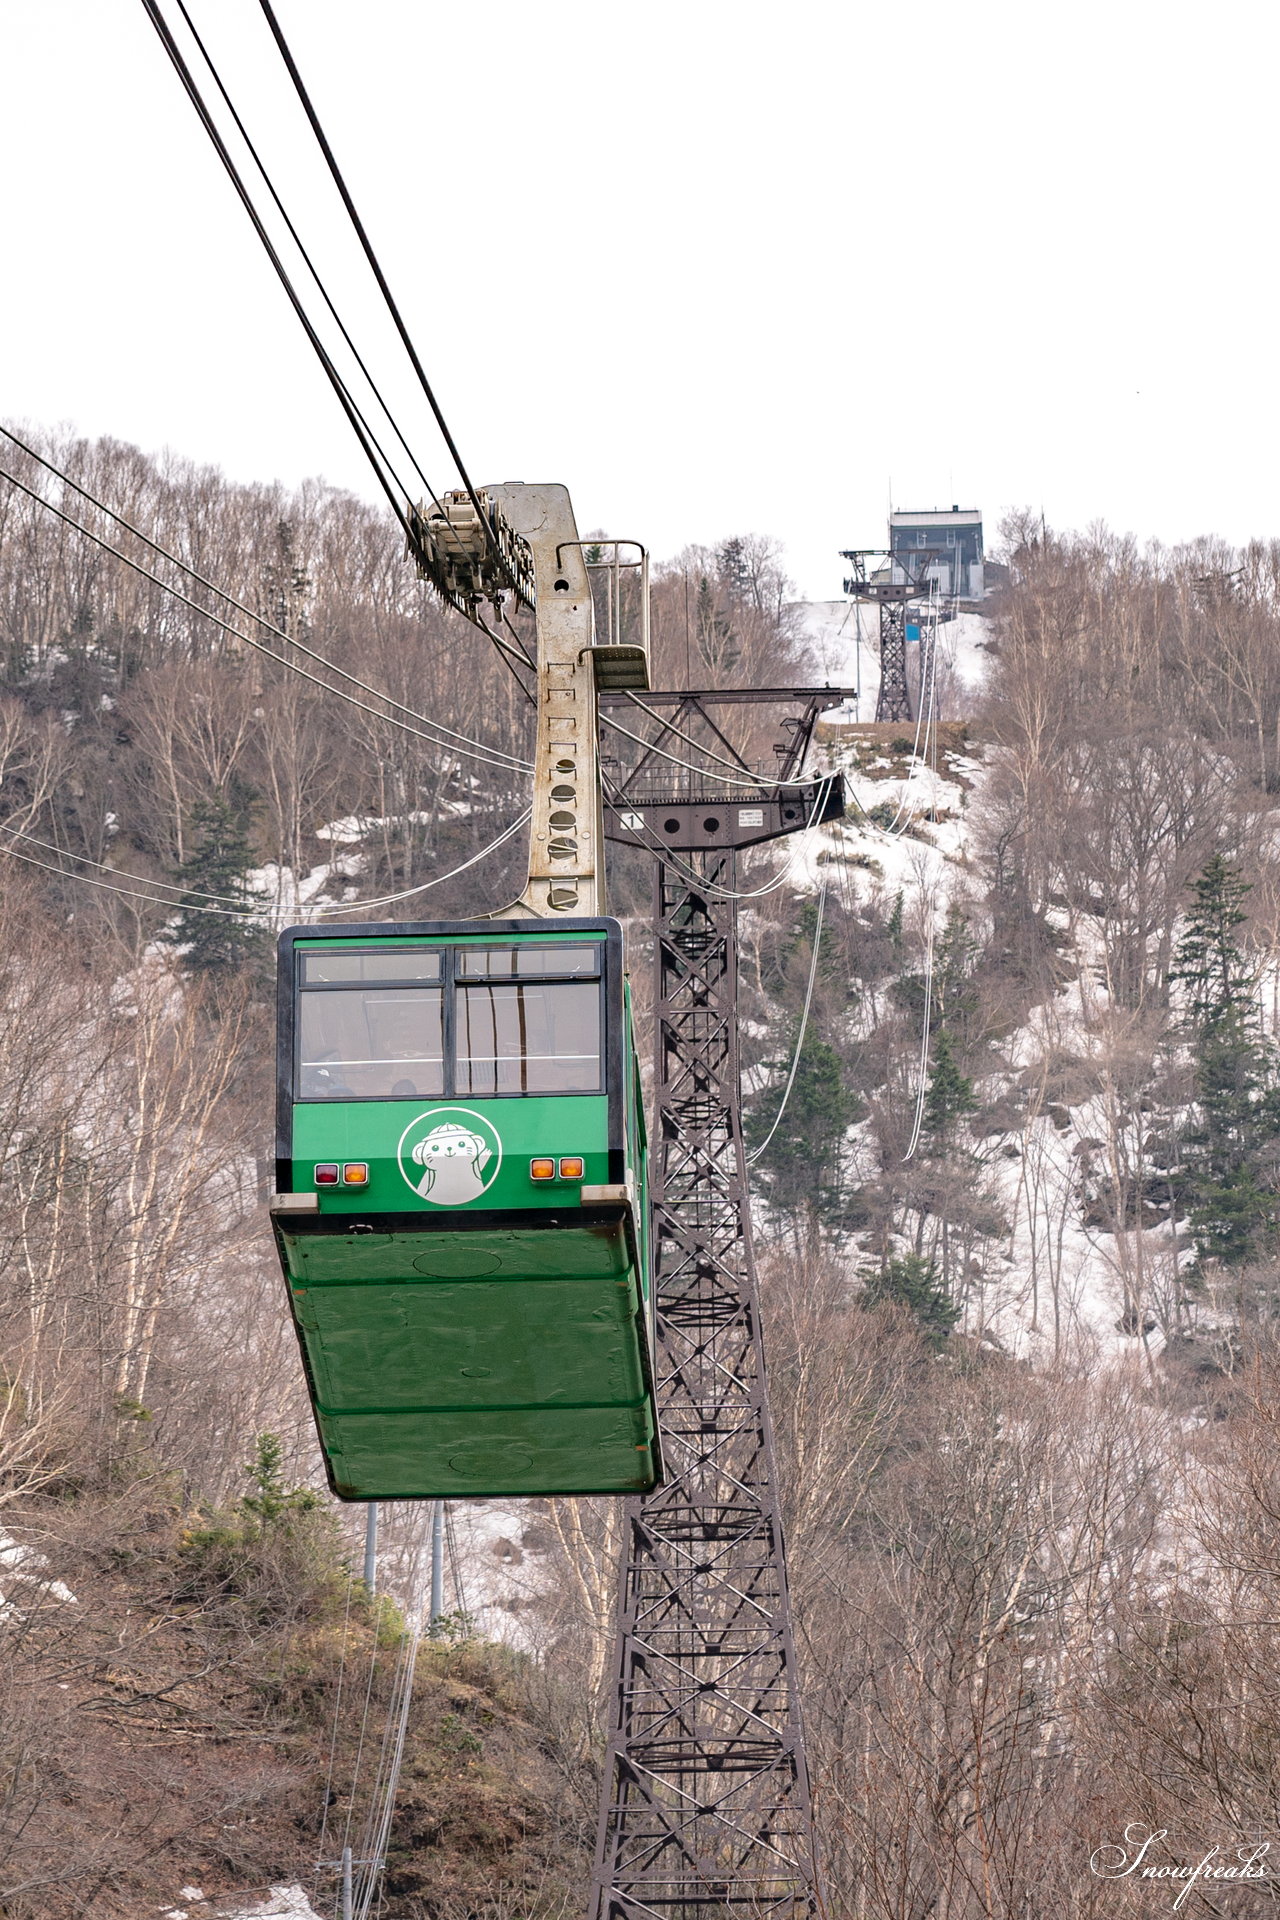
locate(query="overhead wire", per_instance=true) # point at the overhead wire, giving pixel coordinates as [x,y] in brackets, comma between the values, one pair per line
[367,1860]
[298,242]
[376,268]
[449,734]
[757,780]
[86,880]
[373,450]
[337,1710]
[455,1564]
[521,643]
[922,1068]
[376,1831]
[748,780]
[103,866]
[513,657]
[190,904]
[518,656]
[364,1726]
[922,1064]
[383,467]
[493,757]
[752,1157]
[391,899]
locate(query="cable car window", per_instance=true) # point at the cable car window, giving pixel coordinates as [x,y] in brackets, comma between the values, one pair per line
[529,1039]
[337,965]
[528,960]
[376,1044]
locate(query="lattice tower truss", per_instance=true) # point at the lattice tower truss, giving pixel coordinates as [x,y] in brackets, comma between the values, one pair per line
[893,702]
[706,1806]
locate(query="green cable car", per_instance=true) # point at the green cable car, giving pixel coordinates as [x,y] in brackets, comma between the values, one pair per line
[462,1208]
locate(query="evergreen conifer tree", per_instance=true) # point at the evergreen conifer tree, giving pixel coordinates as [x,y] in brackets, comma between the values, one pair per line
[218,865]
[915,1283]
[948,1097]
[801,1160]
[955,996]
[1209,962]
[1229,1184]
[731,565]
[893,927]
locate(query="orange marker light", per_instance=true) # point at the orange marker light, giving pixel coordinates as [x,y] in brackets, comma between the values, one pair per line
[542,1169]
[355,1173]
[572,1168]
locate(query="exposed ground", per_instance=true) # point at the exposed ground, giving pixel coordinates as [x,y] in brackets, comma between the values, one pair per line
[171,1728]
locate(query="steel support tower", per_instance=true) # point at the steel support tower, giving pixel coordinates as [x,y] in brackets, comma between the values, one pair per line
[893,597]
[705,1808]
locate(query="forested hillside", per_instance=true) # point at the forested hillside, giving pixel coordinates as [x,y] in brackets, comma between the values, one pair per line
[1018,1217]
[1026,1374]
[162,776]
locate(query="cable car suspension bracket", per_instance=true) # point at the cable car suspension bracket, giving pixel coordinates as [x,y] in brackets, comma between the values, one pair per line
[534,524]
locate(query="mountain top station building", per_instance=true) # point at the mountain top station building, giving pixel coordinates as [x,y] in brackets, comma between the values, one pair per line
[941,546]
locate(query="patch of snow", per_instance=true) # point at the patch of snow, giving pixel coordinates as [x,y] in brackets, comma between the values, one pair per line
[964,646]
[1058,1284]
[282,1903]
[1066,1284]
[288,896]
[354,827]
[498,1585]
[843,637]
[30,1567]
[343,832]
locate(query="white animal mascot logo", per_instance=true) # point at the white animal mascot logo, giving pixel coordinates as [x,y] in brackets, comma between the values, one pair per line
[452,1158]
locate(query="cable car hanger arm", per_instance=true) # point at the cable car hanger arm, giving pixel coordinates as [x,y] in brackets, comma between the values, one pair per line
[534,525]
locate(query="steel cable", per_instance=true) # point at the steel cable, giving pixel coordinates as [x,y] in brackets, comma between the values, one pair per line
[370,444]
[449,734]
[294,235]
[703,773]
[504,765]
[922,1071]
[364,1723]
[751,1158]
[377,458]
[376,269]
[337,1709]
[189,905]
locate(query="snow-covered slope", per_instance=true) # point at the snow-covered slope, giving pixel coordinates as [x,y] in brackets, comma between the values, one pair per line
[843,639]
[1055,1284]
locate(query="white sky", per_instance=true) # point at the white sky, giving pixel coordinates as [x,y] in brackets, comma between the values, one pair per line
[719,266]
